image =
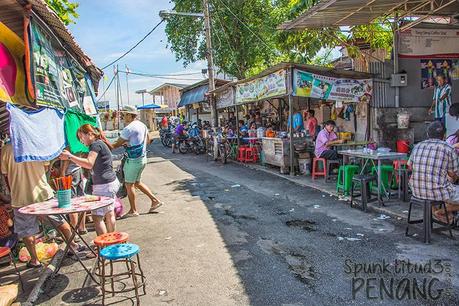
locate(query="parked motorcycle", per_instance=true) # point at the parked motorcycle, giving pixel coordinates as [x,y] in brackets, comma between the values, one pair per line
[167,137]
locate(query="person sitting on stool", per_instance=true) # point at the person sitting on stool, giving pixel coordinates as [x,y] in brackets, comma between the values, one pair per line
[325,140]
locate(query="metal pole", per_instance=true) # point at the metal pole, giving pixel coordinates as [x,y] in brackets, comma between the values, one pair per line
[117,100]
[290,130]
[396,64]
[210,63]
[127,84]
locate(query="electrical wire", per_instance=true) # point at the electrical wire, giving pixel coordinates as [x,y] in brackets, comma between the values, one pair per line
[133,47]
[106,89]
[160,77]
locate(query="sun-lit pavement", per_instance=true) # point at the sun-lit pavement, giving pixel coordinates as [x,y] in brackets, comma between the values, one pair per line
[230,235]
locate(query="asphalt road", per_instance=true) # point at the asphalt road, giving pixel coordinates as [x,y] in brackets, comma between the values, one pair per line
[297,246]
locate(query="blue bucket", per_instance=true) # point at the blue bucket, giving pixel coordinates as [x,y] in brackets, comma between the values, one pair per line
[64,198]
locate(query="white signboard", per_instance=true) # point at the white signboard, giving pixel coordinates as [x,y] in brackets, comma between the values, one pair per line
[431,43]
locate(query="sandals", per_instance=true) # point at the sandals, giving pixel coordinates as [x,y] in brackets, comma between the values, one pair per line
[153,208]
[32,266]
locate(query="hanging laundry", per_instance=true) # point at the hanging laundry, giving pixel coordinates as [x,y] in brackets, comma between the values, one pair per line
[73,121]
[36,135]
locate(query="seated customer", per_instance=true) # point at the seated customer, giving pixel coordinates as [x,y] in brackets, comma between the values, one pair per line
[435,166]
[325,140]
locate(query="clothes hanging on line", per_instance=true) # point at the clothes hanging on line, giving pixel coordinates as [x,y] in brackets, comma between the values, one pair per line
[73,121]
[36,135]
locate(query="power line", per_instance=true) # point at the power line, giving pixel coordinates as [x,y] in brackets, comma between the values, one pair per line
[133,47]
[160,77]
[106,89]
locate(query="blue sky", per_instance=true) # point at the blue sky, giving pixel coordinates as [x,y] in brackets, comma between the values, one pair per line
[108,28]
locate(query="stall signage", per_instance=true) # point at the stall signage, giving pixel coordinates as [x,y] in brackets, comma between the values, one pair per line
[431,43]
[225,98]
[59,81]
[306,84]
[12,75]
[265,87]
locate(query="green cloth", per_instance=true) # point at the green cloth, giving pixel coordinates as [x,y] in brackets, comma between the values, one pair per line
[72,122]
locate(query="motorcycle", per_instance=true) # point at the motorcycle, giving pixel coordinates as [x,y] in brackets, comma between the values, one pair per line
[166,137]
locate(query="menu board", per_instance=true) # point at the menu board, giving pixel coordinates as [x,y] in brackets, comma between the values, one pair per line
[429,43]
[307,84]
[272,85]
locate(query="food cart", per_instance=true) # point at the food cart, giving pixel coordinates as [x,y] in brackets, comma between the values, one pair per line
[289,88]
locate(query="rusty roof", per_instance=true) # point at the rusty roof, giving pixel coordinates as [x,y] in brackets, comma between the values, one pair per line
[335,13]
[12,13]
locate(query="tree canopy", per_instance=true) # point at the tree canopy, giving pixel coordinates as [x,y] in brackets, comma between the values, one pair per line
[245,39]
[65,10]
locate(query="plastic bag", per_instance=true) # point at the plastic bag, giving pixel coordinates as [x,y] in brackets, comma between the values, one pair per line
[45,251]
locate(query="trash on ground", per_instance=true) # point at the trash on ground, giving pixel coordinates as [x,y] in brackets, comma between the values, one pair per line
[405,211]
[162,292]
[236,186]
[293,209]
[316,206]
[323,196]
[353,239]
[340,238]
[226,190]
[382,217]
[168,238]
[399,218]
[276,194]
[347,228]
[414,235]
[334,220]
[359,234]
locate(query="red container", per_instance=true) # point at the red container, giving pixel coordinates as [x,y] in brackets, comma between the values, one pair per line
[403,146]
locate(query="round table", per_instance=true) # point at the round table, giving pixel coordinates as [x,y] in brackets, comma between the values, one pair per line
[78,205]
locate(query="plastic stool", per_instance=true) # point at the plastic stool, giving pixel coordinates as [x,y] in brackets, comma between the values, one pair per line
[251,154]
[241,154]
[345,175]
[427,219]
[315,167]
[106,240]
[387,176]
[122,252]
[364,182]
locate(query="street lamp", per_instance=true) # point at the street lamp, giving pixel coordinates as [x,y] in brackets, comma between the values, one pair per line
[142,92]
[210,61]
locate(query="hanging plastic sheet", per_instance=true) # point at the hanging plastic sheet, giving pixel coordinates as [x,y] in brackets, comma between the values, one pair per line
[73,121]
[36,135]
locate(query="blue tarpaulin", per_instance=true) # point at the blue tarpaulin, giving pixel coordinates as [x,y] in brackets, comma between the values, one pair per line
[149,106]
[195,95]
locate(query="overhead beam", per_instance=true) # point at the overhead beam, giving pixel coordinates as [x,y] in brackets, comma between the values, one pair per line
[421,19]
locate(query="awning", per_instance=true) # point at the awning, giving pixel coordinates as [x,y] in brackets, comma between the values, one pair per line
[335,13]
[195,95]
[149,106]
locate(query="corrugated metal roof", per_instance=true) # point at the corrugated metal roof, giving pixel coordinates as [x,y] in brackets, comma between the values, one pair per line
[334,13]
[195,95]
[157,89]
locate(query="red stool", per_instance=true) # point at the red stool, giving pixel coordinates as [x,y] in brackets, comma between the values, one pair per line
[241,153]
[315,167]
[106,240]
[6,251]
[251,154]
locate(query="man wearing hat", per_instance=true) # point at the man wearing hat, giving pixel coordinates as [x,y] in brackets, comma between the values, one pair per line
[135,138]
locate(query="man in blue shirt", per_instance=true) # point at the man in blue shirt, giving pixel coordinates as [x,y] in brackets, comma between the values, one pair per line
[441,99]
[298,124]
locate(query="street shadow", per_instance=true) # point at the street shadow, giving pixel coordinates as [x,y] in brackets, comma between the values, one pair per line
[53,287]
[81,295]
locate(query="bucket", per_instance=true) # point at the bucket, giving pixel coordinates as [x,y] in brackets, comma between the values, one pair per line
[64,198]
[403,146]
[403,120]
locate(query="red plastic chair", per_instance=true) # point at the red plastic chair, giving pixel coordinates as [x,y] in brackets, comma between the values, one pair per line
[241,154]
[315,167]
[6,251]
[251,154]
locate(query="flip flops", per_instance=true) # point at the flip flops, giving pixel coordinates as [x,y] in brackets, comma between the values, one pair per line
[153,208]
[31,266]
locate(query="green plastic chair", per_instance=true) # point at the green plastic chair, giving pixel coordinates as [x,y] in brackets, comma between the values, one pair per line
[234,149]
[345,175]
[387,177]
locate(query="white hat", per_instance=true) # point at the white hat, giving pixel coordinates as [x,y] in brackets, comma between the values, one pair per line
[129,109]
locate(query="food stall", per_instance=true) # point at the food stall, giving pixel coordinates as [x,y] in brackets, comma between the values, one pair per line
[288,88]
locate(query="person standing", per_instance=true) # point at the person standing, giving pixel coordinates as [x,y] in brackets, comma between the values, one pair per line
[311,123]
[441,100]
[105,182]
[28,185]
[164,122]
[135,136]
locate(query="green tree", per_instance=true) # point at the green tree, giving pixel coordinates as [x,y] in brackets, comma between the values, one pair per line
[65,10]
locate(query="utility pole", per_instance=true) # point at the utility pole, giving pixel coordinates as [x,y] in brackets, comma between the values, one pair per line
[127,83]
[210,63]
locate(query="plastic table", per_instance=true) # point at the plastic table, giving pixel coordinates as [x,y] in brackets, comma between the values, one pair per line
[378,157]
[79,205]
